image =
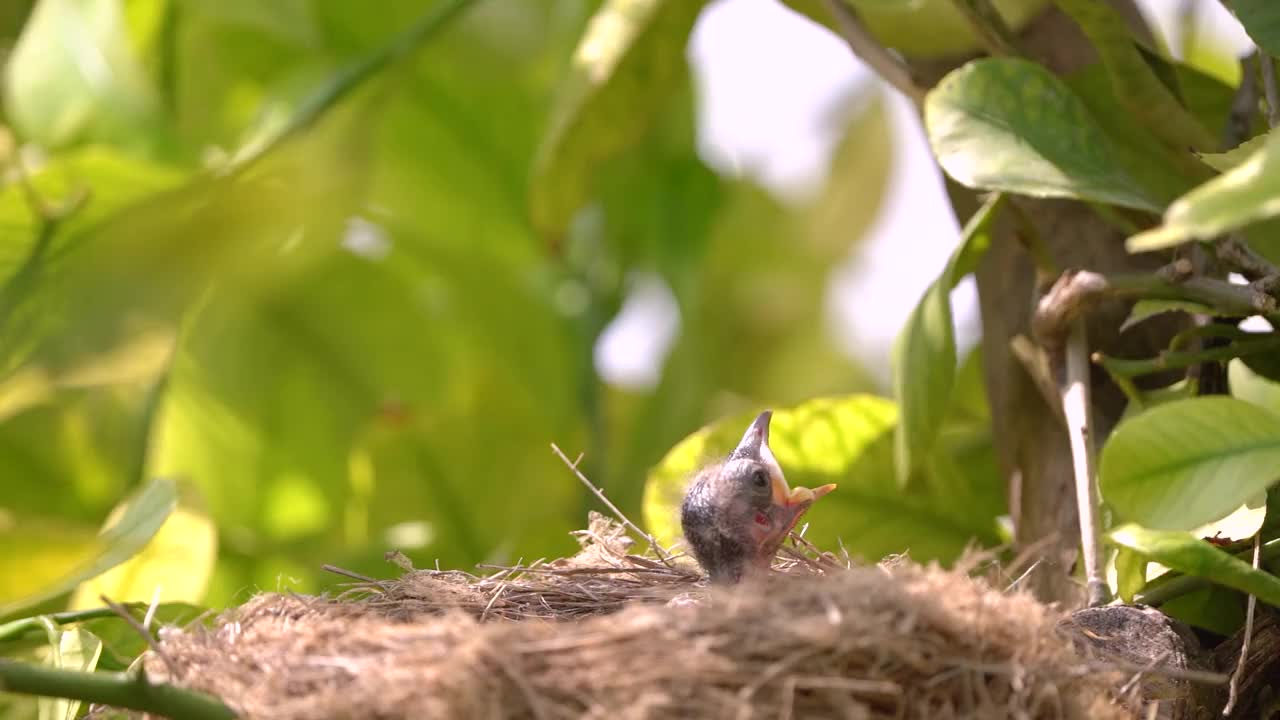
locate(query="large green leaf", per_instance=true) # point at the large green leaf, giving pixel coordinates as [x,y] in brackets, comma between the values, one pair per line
[629,62]
[1182,552]
[32,578]
[1247,193]
[1011,125]
[848,441]
[924,354]
[1186,463]
[1261,19]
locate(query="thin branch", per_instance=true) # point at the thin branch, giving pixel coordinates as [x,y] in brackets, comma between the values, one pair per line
[139,628]
[1243,105]
[653,543]
[1171,360]
[888,66]
[1269,88]
[312,108]
[19,628]
[120,690]
[1075,291]
[1248,634]
[990,27]
[1076,408]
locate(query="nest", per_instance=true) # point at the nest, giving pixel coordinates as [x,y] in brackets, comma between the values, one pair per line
[609,634]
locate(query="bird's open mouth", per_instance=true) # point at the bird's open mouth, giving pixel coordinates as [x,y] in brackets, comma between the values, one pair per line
[788,497]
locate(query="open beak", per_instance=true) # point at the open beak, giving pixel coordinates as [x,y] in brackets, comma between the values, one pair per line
[792,502]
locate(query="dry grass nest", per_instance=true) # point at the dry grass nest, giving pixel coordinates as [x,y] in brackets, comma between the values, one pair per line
[610,634]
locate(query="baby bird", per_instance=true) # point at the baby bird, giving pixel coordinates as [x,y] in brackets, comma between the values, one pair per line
[736,513]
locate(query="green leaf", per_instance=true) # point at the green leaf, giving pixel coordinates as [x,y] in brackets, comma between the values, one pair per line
[1131,573]
[924,354]
[1261,19]
[1144,309]
[1215,608]
[176,564]
[1236,156]
[1245,194]
[74,74]
[1193,556]
[628,63]
[1134,80]
[74,649]
[1243,522]
[849,441]
[129,529]
[1190,462]
[1011,125]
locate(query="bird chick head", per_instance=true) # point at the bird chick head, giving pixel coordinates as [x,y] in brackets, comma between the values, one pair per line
[736,513]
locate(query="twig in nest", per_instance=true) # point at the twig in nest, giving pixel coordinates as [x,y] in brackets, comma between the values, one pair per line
[888,66]
[660,551]
[128,617]
[1234,688]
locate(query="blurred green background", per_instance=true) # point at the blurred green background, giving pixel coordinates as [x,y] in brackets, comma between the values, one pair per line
[344,332]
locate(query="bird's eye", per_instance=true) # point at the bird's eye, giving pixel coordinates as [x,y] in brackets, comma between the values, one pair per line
[758,479]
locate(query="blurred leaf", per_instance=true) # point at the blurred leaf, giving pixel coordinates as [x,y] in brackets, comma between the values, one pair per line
[1010,125]
[629,62]
[1189,462]
[844,440]
[924,354]
[177,562]
[1261,19]
[1233,158]
[32,578]
[1144,309]
[1238,197]
[74,75]
[1131,573]
[75,649]
[1180,551]
[1140,91]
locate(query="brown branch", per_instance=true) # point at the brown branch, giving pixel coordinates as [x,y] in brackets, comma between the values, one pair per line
[660,551]
[990,28]
[128,617]
[888,66]
[1234,688]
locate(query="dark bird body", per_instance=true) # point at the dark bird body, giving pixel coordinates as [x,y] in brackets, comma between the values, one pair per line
[736,513]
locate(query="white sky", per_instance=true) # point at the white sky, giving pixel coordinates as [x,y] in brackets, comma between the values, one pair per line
[767,77]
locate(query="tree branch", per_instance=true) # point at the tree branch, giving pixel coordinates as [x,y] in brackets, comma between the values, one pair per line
[991,29]
[1076,409]
[120,690]
[1171,360]
[888,66]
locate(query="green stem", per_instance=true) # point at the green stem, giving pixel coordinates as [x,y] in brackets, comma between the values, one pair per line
[1170,360]
[351,77]
[115,689]
[22,626]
